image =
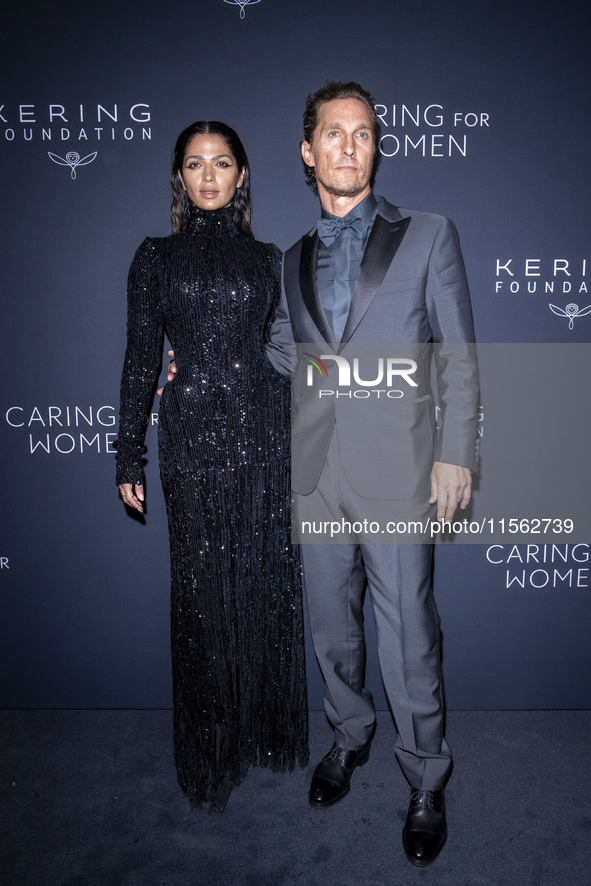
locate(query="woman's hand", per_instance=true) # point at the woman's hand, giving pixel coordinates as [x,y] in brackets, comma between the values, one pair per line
[170,373]
[132,496]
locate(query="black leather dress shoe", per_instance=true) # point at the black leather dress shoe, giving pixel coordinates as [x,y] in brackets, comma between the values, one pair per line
[425,831]
[332,776]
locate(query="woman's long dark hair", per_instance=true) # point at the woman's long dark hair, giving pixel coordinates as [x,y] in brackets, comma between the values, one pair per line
[181,205]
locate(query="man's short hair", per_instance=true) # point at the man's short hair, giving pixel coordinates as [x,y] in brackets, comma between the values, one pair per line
[335,89]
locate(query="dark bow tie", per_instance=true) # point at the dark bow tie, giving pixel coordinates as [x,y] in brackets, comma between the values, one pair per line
[330,228]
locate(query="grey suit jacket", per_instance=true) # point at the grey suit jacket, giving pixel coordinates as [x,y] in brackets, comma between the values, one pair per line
[411,291]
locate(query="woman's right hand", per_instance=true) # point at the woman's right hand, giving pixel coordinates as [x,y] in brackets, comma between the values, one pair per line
[132,496]
[170,373]
[135,499]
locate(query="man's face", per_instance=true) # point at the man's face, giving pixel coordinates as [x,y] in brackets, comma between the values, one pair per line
[342,148]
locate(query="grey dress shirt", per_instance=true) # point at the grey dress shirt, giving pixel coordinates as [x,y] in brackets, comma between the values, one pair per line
[338,265]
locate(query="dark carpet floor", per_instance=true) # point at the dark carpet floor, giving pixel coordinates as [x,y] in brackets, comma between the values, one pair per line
[90,799]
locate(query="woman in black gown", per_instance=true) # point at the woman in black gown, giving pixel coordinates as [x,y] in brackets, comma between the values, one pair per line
[223,441]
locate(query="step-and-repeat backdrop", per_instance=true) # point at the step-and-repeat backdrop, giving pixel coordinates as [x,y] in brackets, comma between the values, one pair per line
[484,110]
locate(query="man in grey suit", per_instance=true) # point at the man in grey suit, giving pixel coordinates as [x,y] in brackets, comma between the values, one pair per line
[371,273]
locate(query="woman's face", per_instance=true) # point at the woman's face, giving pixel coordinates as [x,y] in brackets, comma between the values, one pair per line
[210,173]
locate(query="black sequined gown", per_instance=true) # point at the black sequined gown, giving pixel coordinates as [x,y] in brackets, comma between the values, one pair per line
[223,440]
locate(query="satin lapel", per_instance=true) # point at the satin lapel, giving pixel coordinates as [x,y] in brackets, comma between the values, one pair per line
[309,286]
[382,246]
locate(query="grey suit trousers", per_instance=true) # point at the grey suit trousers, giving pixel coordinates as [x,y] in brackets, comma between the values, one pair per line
[407,624]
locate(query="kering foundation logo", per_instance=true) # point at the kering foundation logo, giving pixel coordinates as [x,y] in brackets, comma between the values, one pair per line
[571,312]
[242,4]
[543,277]
[81,122]
[73,159]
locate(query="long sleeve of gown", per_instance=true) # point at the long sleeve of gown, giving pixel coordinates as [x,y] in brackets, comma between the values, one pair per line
[145,331]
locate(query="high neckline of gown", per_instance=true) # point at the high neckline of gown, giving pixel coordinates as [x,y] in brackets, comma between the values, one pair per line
[213,222]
